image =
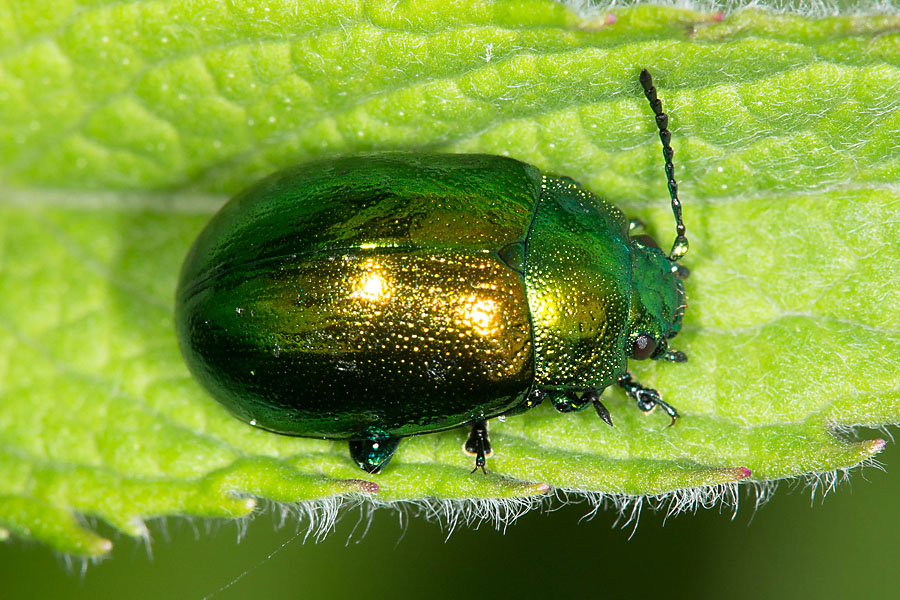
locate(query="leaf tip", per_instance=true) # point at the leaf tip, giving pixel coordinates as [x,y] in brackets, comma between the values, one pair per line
[94,547]
[873,447]
[233,507]
[742,473]
[528,489]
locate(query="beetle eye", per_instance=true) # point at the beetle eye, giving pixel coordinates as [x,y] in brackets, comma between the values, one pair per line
[644,347]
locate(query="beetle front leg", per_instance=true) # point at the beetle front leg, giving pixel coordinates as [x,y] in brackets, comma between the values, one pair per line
[646,398]
[674,356]
[479,445]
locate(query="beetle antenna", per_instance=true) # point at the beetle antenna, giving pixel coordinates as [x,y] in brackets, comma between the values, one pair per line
[679,248]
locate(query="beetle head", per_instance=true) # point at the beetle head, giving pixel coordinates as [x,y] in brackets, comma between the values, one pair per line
[657,299]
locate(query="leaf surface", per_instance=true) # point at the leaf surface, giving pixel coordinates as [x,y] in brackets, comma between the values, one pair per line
[123,126]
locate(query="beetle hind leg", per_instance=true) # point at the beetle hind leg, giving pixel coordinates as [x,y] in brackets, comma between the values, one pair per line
[374,452]
[479,445]
[646,398]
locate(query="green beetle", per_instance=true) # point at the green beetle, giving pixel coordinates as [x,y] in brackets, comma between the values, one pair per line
[375,297]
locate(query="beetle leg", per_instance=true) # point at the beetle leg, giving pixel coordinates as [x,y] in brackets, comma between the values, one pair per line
[635,225]
[533,399]
[569,401]
[674,356]
[602,412]
[479,445]
[646,398]
[374,452]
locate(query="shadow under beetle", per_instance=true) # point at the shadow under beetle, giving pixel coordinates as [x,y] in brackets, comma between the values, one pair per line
[375,297]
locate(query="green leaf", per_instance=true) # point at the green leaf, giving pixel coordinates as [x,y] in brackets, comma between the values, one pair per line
[123,126]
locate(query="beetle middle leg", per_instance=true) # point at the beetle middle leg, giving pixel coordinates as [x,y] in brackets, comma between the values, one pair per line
[479,445]
[646,398]
[571,401]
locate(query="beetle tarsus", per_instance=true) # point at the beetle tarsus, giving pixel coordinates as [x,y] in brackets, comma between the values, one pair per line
[670,410]
[593,396]
[674,356]
[602,411]
[647,398]
[479,445]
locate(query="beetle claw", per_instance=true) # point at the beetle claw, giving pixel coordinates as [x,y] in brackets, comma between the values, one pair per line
[647,398]
[670,410]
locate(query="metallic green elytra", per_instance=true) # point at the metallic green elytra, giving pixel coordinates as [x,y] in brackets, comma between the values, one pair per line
[375,297]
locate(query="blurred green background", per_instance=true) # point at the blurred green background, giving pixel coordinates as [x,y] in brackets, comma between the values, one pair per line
[848,546]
